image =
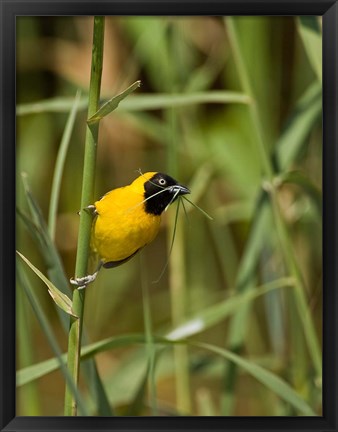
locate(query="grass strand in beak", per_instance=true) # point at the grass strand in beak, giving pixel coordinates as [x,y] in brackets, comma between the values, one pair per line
[172,199]
[171,245]
[185,210]
[198,208]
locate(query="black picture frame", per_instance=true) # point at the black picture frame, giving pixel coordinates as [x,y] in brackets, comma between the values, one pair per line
[9,10]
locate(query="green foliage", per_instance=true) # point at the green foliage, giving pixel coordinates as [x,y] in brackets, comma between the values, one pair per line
[112,104]
[60,299]
[232,108]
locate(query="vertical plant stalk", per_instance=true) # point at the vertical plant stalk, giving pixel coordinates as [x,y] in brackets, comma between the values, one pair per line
[281,229]
[177,273]
[150,346]
[83,246]
[178,312]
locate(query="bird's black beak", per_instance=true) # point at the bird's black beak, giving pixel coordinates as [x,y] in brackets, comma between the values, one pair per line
[180,190]
[183,190]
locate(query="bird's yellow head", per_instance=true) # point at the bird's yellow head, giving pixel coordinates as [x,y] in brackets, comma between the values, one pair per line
[159,190]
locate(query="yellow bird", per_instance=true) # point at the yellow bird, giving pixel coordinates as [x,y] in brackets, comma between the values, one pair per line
[128,218]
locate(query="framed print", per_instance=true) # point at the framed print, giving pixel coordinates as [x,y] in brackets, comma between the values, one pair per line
[168,219]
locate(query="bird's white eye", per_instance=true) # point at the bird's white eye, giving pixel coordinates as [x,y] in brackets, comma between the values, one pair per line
[162,182]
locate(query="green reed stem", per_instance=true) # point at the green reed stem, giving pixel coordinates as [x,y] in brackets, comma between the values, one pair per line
[281,228]
[150,346]
[83,247]
[177,277]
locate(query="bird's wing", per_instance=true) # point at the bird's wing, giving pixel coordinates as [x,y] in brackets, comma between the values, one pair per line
[112,264]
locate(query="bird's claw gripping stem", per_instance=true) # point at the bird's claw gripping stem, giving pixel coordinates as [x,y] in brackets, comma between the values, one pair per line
[82,282]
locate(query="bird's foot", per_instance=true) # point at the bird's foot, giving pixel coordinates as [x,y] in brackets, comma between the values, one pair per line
[82,282]
[91,209]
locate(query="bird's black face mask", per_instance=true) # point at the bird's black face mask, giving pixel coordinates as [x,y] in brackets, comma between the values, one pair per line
[160,191]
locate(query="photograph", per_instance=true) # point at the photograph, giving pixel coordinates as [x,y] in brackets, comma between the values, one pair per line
[169,216]
[174,220]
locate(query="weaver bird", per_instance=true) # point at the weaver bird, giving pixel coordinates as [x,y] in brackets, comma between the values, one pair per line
[128,218]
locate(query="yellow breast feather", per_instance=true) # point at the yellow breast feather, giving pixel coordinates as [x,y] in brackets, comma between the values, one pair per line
[122,227]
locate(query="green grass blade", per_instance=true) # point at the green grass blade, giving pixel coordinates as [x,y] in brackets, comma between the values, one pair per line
[124,385]
[215,314]
[137,403]
[29,398]
[151,350]
[280,227]
[39,370]
[162,100]
[247,86]
[245,282]
[39,231]
[298,126]
[198,208]
[56,274]
[60,359]
[63,301]
[311,35]
[85,225]
[267,378]
[35,211]
[56,105]
[95,386]
[139,102]
[112,104]
[59,166]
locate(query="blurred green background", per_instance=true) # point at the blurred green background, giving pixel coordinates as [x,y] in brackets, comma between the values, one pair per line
[231,107]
